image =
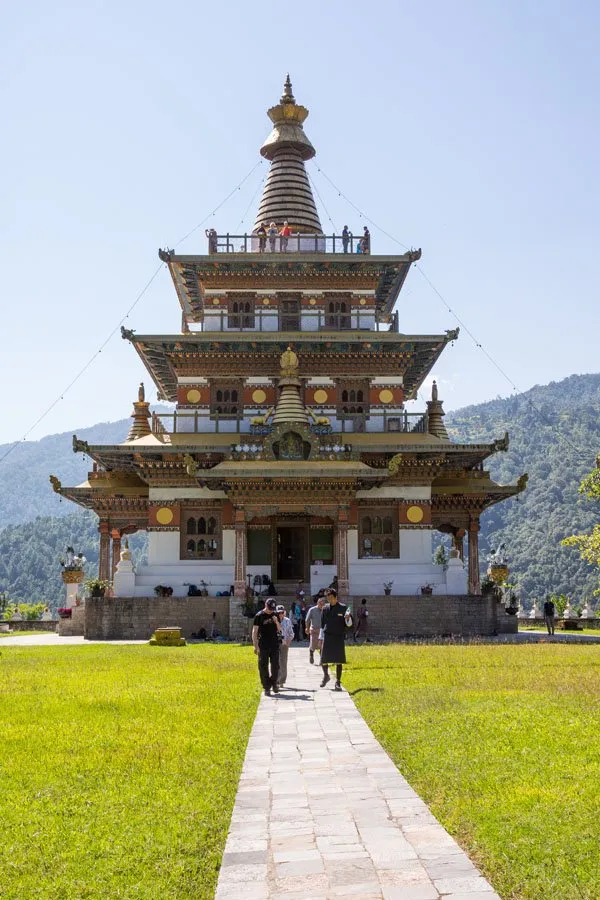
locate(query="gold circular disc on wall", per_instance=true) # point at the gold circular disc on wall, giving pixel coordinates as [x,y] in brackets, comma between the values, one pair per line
[385,396]
[321,396]
[193,396]
[259,396]
[312,301]
[216,301]
[266,301]
[414,514]
[164,515]
[362,301]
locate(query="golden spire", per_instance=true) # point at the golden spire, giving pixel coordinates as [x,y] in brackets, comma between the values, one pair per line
[289,407]
[289,363]
[435,415]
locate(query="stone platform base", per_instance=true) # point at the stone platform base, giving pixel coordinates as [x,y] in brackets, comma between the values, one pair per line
[74,626]
[136,618]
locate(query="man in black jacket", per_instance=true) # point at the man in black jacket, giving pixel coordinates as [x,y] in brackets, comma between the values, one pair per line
[265,637]
[335,620]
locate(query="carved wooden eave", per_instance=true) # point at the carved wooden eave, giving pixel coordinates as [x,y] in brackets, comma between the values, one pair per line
[192,275]
[257,353]
[134,508]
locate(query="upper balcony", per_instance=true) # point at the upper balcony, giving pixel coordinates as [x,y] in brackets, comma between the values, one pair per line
[293,243]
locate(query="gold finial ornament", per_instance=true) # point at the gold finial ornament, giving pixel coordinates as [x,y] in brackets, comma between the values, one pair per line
[287,96]
[141,393]
[395,463]
[289,363]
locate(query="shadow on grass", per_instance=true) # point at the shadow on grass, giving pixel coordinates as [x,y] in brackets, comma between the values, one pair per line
[369,690]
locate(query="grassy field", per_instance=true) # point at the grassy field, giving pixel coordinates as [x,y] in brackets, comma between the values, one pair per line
[502,743]
[119,768]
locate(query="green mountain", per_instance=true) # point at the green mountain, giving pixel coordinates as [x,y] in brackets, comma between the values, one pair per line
[554,436]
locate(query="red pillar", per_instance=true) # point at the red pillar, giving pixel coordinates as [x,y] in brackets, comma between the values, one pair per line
[104,556]
[474,583]
[342,556]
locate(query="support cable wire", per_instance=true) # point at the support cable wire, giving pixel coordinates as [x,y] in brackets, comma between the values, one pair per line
[252,199]
[313,185]
[441,297]
[123,319]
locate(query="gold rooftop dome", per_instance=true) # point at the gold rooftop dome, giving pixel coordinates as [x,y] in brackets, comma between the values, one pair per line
[287,195]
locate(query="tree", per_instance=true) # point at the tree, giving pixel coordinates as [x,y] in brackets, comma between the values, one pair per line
[589,544]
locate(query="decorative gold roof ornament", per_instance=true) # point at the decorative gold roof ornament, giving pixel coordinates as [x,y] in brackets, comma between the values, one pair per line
[289,363]
[289,407]
[140,426]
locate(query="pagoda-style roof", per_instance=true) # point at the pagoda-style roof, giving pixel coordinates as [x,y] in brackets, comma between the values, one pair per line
[192,275]
[374,354]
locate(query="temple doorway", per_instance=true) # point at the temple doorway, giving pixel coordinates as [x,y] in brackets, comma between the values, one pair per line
[291,552]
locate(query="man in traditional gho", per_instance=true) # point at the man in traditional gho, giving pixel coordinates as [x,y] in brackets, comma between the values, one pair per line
[336,619]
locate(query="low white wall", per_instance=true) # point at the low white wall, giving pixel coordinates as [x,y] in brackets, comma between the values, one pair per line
[321,577]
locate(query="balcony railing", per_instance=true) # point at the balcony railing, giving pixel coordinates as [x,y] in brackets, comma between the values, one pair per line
[205,422]
[295,243]
[273,318]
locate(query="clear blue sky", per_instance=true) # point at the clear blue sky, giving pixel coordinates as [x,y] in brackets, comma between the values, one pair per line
[469,129]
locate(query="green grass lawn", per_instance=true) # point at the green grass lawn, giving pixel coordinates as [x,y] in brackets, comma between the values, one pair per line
[119,768]
[503,743]
[594,631]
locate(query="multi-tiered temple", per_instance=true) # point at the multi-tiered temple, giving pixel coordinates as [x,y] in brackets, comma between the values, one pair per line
[289,454]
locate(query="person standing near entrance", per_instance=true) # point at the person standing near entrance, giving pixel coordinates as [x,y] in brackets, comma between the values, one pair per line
[285,639]
[362,624]
[549,614]
[265,637]
[336,619]
[313,627]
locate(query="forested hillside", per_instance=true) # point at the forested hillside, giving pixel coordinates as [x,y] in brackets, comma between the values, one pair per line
[554,436]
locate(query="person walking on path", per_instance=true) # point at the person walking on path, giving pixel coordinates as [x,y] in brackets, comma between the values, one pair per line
[286,637]
[265,637]
[313,627]
[362,623]
[549,614]
[336,619]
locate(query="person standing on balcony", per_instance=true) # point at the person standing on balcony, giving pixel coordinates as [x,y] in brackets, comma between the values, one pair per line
[284,235]
[365,241]
[272,232]
[345,238]
[261,231]
[211,234]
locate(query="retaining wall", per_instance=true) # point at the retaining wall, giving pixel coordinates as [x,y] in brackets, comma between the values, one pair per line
[136,618]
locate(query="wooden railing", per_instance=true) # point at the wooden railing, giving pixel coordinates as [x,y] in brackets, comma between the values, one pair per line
[274,319]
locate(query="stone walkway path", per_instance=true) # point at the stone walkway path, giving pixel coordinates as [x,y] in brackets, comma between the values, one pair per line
[322,813]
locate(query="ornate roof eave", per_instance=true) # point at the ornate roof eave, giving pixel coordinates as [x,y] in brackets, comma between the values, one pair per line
[483,493]
[189,271]
[161,353]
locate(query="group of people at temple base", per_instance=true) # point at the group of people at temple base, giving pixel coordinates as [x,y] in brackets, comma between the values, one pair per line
[326,624]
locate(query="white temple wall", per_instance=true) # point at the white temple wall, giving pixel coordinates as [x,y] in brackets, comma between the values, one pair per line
[165,567]
[413,569]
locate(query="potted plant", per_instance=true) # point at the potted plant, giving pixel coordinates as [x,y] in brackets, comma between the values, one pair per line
[64,612]
[427,588]
[387,587]
[97,587]
[163,590]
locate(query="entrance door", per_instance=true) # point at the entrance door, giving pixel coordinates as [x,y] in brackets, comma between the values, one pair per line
[291,544]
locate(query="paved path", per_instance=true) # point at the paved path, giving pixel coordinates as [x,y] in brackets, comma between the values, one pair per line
[322,813]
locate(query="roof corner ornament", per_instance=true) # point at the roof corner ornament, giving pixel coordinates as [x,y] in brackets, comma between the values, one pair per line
[522,481]
[191,466]
[165,255]
[127,333]
[452,334]
[80,446]
[502,443]
[395,463]
[56,485]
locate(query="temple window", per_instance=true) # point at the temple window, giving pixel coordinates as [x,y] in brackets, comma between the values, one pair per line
[241,311]
[289,313]
[353,402]
[371,527]
[226,399]
[337,314]
[208,529]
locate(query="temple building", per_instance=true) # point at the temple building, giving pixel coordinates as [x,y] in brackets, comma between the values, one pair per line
[289,454]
